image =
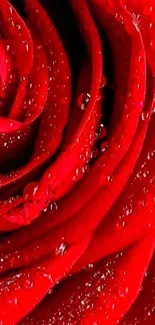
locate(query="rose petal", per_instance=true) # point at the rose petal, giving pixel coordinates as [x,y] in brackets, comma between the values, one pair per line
[99,296]
[23,290]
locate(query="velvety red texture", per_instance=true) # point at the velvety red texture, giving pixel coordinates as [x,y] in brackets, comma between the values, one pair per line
[77,157]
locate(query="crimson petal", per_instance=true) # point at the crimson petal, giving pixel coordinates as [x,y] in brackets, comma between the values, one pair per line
[101,295]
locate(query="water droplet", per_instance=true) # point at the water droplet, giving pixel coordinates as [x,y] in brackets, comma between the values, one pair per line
[144,116]
[109,178]
[61,249]
[30,191]
[152,44]
[104,146]
[102,131]
[54,62]
[86,168]
[90,266]
[150,154]
[103,81]
[99,96]
[83,100]
[50,291]
[147,10]
[18,27]
[23,78]
[53,206]
[146,274]
[13,301]
[10,9]
[146,173]
[99,288]
[94,153]
[29,284]
[27,47]
[139,105]
[120,225]
[119,18]
[66,78]
[78,174]
[8,48]
[64,100]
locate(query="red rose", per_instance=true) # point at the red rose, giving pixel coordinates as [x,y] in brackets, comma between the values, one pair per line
[77,155]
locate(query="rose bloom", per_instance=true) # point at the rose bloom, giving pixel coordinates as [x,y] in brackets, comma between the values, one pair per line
[77,162]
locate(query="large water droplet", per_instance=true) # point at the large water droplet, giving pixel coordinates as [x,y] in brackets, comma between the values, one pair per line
[102,131]
[61,249]
[144,116]
[53,206]
[94,153]
[29,284]
[86,168]
[109,178]
[30,191]
[104,146]
[83,100]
